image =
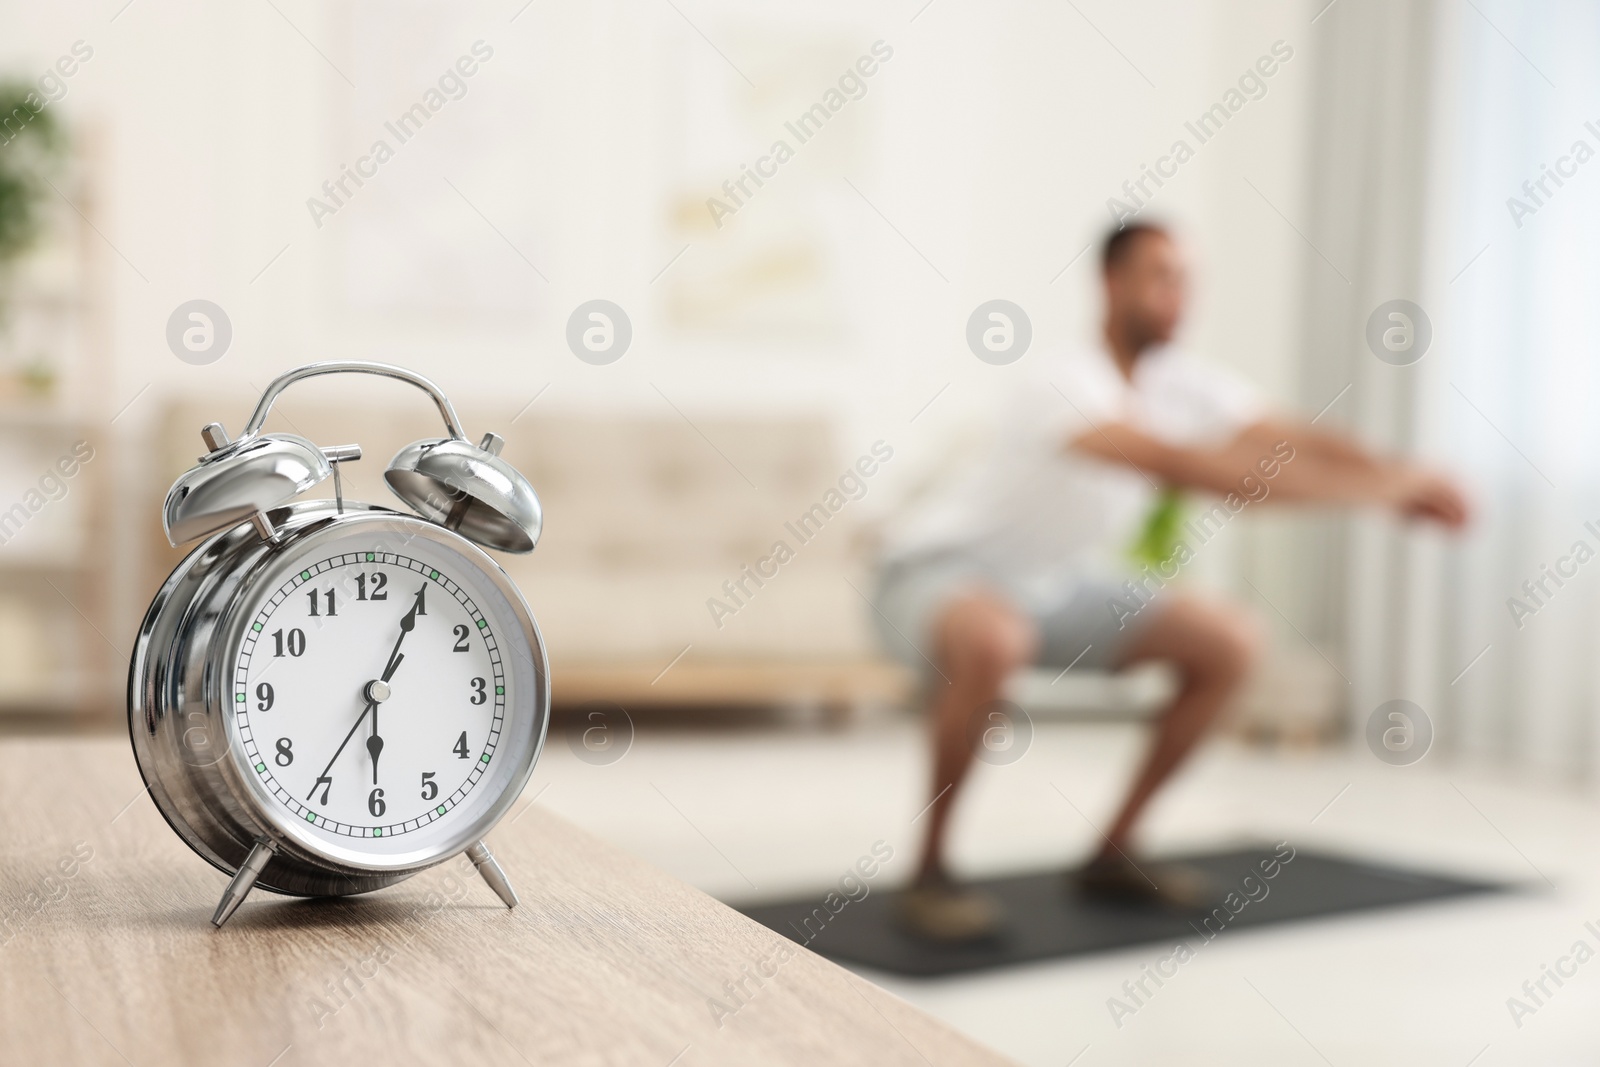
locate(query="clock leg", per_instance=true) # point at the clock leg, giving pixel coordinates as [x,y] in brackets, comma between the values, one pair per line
[242,883]
[484,860]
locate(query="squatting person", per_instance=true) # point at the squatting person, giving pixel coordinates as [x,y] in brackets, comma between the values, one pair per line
[1025,562]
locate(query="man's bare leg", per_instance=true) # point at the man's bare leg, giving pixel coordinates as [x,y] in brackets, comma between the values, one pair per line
[1213,647]
[979,640]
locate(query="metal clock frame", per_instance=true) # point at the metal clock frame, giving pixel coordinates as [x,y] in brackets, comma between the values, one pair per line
[181,719]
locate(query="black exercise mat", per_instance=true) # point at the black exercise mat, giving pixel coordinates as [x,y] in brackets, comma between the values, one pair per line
[1047,920]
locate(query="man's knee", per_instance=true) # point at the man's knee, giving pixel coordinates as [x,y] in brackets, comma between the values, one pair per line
[1206,639]
[992,649]
[986,639]
[1238,644]
[1227,644]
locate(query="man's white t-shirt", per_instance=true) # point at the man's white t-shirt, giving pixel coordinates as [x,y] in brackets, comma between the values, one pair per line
[1039,517]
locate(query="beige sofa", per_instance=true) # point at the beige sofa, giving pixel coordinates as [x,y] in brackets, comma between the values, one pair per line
[645,519]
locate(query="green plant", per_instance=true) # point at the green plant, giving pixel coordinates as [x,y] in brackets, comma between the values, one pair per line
[30,148]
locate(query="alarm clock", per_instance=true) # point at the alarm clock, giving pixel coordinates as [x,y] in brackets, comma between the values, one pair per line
[327,696]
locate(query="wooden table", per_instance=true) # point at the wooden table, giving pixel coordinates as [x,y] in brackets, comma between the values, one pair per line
[107,955]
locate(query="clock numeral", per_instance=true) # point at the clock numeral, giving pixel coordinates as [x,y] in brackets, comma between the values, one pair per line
[461,638]
[375,804]
[296,643]
[430,788]
[379,580]
[332,602]
[264,695]
[479,691]
[324,782]
[461,749]
[285,754]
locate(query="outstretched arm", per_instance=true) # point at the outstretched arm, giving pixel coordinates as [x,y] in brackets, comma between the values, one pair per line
[1308,464]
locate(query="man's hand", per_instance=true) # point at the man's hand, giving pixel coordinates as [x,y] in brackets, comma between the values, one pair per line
[1325,468]
[1419,493]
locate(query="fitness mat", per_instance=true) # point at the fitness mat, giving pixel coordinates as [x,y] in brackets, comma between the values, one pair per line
[1047,918]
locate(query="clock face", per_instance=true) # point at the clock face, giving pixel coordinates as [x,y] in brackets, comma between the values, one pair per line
[375,694]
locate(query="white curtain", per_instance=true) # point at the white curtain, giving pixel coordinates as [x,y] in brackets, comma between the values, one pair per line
[1524,321]
[1430,116]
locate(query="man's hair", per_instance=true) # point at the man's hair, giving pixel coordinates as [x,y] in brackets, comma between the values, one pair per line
[1118,244]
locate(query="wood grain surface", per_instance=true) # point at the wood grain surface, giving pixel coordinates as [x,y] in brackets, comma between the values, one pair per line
[107,955]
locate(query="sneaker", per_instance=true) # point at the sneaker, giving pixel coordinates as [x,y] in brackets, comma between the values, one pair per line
[1171,885]
[945,914]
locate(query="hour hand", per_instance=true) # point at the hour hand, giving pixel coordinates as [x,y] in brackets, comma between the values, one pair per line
[408,622]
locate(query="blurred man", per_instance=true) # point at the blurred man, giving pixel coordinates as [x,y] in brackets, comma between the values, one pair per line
[1028,562]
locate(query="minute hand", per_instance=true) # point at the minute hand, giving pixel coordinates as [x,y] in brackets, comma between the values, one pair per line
[406,624]
[372,707]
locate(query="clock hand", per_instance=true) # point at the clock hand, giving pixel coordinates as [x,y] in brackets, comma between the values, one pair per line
[376,693]
[407,623]
[375,744]
[371,704]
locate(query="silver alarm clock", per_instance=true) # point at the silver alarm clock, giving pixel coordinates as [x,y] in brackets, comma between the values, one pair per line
[327,697]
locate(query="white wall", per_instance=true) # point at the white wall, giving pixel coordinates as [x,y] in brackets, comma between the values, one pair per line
[991,141]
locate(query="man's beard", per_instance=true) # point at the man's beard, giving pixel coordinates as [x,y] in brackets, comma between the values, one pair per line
[1142,334]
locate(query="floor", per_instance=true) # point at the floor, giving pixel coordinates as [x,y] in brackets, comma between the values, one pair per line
[761,812]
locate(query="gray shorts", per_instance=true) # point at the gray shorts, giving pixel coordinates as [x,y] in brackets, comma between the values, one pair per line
[1077,628]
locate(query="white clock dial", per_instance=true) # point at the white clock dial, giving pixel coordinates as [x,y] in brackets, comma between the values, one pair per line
[371,691]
